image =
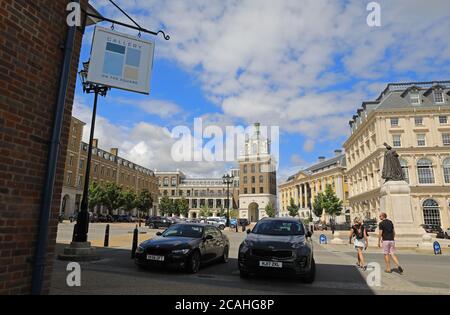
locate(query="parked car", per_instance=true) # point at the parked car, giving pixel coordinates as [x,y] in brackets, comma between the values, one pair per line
[158,222]
[278,246]
[105,218]
[370,225]
[434,229]
[319,226]
[233,223]
[243,222]
[447,233]
[184,245]
[217,222]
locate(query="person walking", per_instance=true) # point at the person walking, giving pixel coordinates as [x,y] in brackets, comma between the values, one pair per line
[386,239]
[359,233]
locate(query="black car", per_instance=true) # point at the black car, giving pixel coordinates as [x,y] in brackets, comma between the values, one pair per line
[434,229]
[243,222]
[158,222]
[278,246]
[370,225]
[184,245]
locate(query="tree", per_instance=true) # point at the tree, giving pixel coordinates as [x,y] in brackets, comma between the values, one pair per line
[318,205]
[205,212]
[129,201]
[165,205]
[293,209]
[112,197]
[182,206]
[270,210]
[331,202]
[144,202]
[96,193]
[234,214]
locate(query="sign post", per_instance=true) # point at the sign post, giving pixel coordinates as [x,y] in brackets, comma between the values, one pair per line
[323,239]
[437,248]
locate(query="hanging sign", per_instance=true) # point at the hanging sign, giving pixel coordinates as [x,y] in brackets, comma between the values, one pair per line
[121,61]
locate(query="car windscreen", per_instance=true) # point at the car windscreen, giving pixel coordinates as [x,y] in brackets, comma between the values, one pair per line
[279,228]
[184,230]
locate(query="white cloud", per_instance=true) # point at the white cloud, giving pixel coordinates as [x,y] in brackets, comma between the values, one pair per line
[163,109]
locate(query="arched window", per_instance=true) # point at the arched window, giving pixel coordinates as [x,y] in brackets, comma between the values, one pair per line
[431,212]
[425,171]
[405,169]
[446,167]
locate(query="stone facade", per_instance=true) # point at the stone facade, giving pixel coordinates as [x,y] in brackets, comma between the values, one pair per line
[304,186]
[106,167]
[415,119]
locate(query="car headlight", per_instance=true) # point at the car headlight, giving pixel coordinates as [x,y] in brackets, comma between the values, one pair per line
[180,251]
[140,250]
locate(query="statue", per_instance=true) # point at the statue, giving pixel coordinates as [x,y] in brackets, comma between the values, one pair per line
[392,169]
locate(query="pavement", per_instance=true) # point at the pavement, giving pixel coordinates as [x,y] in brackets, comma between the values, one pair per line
[337,274]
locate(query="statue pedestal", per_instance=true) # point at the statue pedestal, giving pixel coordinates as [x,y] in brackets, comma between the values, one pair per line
[79,252]
[395,201]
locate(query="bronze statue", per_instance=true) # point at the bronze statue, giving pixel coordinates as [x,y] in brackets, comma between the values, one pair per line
[392,169]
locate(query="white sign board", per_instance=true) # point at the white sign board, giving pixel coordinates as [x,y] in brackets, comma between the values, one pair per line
[121,61]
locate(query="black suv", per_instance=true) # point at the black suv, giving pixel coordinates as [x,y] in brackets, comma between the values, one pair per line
[158,222]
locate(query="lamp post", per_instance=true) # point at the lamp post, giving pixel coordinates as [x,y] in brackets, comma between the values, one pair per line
[228,180]
[82,226]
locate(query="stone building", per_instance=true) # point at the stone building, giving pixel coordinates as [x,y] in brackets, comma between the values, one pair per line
[199,192]
[304,186]
[31,54]
[414,118]
[258,178]
[106,167]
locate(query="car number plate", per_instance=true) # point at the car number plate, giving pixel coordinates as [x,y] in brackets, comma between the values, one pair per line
[155,258]
[271,264]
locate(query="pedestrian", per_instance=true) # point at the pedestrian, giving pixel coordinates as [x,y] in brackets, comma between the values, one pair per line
[333,227]
[359,233]
[386,237]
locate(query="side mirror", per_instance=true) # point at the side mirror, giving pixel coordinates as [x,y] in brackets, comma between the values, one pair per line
[159,234]
[249,231]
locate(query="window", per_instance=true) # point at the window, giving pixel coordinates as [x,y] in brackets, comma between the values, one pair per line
[69,178]
[446,139]
[405,169]
[95,169]
[253,168]
[425,171]
[245,169]
[81,164]
[431,212]
[245,180]
[261,179]
[443,120]
[394,122]
[253,180]
[415,98]
[245,191]
[80,180]
[174,181]
[261,190]
[253,190]
[397,141]
[446,167]
[438,97]
[71,160]
[166,182]
[421,140]
[418,121]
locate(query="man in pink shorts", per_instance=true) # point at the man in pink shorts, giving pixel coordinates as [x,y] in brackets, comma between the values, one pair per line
[386,235]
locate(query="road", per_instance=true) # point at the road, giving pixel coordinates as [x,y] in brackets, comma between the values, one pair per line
[336,274]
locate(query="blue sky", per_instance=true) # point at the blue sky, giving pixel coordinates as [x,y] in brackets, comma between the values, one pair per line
[305,66]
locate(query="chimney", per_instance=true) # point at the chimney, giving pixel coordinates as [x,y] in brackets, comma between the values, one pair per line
[95,143]
[115,152]
[322,159]
[338,152]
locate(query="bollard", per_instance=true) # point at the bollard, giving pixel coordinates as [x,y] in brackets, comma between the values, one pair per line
[237,228]
[74,232]
[106,244]
[135,242]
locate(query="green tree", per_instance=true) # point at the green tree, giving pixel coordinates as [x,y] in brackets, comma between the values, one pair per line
[165,205]
[293,209]
[318,205]
[234,214]
[144,202]
[112,197]
[129,201]
[205,212]
[270,210]
[331,203]
[182,206]
[96,193]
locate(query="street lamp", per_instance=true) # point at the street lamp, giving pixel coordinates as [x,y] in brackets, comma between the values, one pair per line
[82,226]
[228,180]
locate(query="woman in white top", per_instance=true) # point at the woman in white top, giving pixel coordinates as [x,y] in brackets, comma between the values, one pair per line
[359,233]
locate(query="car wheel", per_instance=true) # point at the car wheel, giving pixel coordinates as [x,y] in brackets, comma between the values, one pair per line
[151,226]
[226,253]
[194,263]
[311,275]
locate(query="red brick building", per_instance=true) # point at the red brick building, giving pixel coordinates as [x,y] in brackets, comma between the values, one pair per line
[31,56]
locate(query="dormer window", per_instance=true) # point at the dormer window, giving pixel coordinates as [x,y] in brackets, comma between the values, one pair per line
[439,97]
[415,98]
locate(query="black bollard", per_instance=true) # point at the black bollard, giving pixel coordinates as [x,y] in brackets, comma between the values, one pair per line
[135,243]
[106,244]
[237,228]
[74,233]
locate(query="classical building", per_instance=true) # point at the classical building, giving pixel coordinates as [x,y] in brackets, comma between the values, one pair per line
[304,186]
[199,192]
[106,167]
[414,119]
[258,178]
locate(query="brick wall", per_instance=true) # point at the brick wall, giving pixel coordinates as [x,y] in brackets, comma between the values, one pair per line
[31,33]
